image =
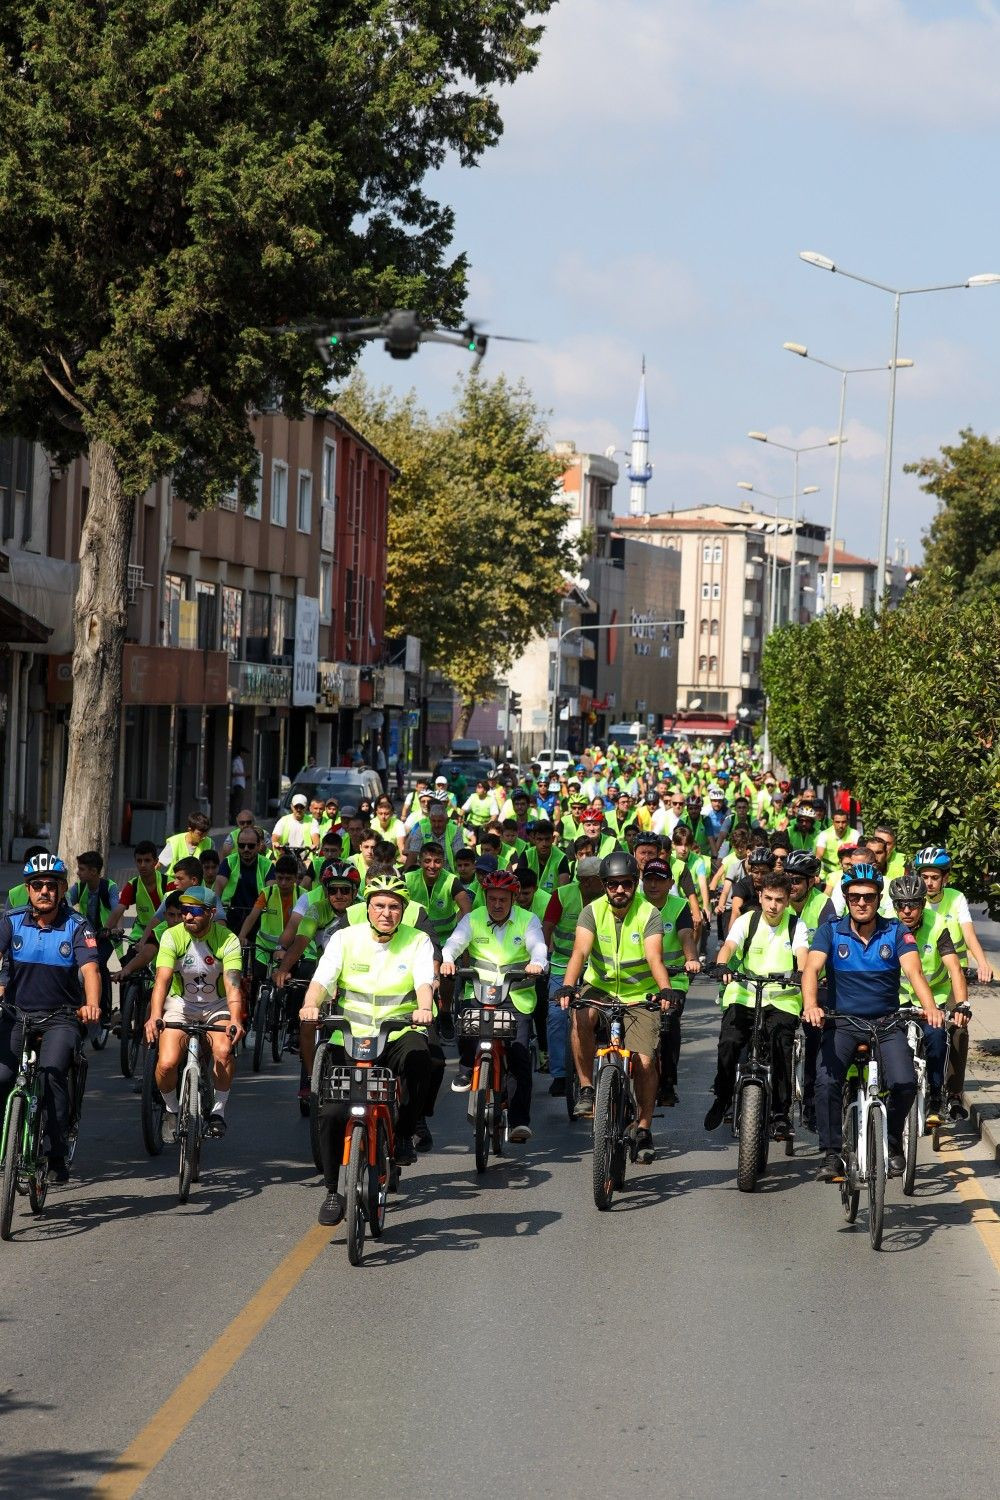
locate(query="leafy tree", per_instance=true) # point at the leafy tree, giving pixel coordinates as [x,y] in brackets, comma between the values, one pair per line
[477,548]
[178,177]
[962,543]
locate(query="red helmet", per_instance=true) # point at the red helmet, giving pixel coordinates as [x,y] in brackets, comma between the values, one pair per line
[501,880]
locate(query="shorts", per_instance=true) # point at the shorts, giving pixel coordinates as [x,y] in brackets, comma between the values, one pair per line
[642,1027]
[179,1009]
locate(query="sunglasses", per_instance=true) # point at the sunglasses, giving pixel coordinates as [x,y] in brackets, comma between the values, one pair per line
[43,885]
[908,905]
[247,846]
[619,885]
[194,911]
[861,896]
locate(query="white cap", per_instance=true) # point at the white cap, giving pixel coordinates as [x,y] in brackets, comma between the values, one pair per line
[440,781]
[299,800]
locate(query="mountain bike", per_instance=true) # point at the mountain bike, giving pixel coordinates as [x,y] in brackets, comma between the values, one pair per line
[752,1094]
[25,1167]
[865,1123]
[916,1119]
[372,1095]
[272,1019]
[195,1096]
[132,1025]
[491,1021]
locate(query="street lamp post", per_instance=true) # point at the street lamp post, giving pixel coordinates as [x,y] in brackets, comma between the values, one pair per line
[899,364]
[831,442]
[775,529]
[572,630]
[824,263]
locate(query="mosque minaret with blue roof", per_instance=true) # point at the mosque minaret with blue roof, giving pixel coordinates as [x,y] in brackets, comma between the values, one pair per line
[640,470]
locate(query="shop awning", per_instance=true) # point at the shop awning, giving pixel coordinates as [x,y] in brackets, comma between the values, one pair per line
[692,728]
[42,589]
[17,628]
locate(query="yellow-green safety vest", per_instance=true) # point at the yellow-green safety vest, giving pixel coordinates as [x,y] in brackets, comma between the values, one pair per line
[439,901]
[768,952]
[180,849]
[491,953]
[365,1011]
[618,963]
[932,925]
[673,948]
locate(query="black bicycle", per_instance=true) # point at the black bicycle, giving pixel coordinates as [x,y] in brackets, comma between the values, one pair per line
[24,1166]
[135,996]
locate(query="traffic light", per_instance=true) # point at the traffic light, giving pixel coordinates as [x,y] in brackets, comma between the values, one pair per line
[514,705]
[680,625]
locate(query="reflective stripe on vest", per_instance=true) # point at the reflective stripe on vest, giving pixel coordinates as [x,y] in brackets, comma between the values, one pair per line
[488,950]
[618,963]
[553,868]
[366,1011]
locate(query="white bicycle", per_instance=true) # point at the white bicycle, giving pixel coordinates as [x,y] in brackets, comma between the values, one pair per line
[865,1124]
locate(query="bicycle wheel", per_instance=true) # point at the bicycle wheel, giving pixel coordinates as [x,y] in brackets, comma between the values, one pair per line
[77,1083]
[850,1196]
[753,1133]
[572,1086]
[260,1018]
[798,1079]
[279,1025]
[911,1132]
[38,1181]
[11,1163]
[482,1119]
[607,1109]
[357,1216]
[151,1108]
[876,1178]
[498,1113]
[322,1063]
[188,1130]
[378,1182]
[130,1027]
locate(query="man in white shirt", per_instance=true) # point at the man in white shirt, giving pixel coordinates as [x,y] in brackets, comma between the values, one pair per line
[292,831]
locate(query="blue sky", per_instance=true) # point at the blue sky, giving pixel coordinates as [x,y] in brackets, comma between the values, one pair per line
[659,172]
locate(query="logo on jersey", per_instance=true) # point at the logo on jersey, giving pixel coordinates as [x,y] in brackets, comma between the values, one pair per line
[885,951]
[17,944]
[65,949]
[842,950]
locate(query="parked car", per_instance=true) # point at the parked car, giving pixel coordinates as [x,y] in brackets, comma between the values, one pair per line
[558,760]
[471,770]
[466,750]
[349,784]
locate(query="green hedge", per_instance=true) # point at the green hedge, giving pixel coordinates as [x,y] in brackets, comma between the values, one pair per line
[905,710]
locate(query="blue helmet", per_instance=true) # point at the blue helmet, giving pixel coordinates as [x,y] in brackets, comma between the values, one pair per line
[934,857]
[862,875]
[45,864]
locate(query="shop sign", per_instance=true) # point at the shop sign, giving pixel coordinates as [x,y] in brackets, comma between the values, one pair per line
[252,682]
[329,686]
[352,685]
[306,658]
[378,687]
[439,710]
[395,687]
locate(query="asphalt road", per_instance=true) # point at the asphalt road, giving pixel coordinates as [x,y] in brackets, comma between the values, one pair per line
[504,1336]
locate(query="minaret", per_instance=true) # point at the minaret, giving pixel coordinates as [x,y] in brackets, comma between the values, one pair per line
[640,470]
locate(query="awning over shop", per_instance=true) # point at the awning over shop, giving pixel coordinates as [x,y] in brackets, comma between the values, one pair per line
[20,629]
[42,589]
[157,676]
[693,728]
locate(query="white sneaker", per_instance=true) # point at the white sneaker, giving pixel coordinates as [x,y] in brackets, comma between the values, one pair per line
[520,1134]
[168,1130]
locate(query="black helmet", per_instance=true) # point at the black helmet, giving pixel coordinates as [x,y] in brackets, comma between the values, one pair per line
[907,888]
[801,862]
[619,866]
[760,858]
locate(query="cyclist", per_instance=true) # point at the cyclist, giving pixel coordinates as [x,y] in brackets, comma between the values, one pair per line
[244,819]
[827,846]
[242,877]
[864,955]
[943,972]
[550,864]
[144,891]
[618,950]
[678,948]
[146,952]
[387,825]
[198,972]
[498,937]
[294,831]
[771,940]
[934,865]
[812,906]
[96,898]
[379,970]
[192,842]
[50,962]
[479,808]
[745,896]
[559,929]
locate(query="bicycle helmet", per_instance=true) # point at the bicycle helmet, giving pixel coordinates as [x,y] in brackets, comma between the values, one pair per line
[336,872]
[386,885]
[934,857]
[801,862]
[862,875]
[501,880]
[45,864]
[907,888]
[760,858]
[619,866]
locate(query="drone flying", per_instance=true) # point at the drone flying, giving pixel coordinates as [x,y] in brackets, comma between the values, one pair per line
[402,332]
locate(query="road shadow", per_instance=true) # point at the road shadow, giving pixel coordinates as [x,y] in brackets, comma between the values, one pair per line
[52,1471]
[408,1241]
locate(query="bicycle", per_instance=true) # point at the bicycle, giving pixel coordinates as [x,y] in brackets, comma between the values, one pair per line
[272,1021]
[865,1125]
[615,1108]
[752,1094]
[196,1097]
[132,1025]
[492,1023]
[101,1030]
[799,1077]
[372,1095]
[25,1167]
[916,1119]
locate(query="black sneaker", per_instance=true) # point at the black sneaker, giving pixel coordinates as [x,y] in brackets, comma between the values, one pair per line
[584,1108]
[331,1210]
[446,1026]
[781,1127]
[462,1082]
[422,1138]
[644,1148]
[404,1155]
[956,1108]
[897,1163]
[557,1088]
[216,1127]
[934,1109]
[716,1114]
[58,1170]
[831,1168]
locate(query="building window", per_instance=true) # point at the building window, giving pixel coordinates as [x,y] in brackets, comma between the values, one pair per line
[706,591]
[706,552]
[305,501]
[325,590]
[329,473]
[282,631]
[279,493]
[713,663]
[173,592]
[702,663]
[716,588]
[229,499]
[746,661]
[204,594]
[717,552]
[258,625]
[252,509]
[232,622]
[715,627]
[703,628]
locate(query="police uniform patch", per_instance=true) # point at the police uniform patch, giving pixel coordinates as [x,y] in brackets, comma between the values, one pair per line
[842,950]
[65,949]
[885,951]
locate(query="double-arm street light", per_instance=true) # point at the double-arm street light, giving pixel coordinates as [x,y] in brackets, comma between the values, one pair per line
[775,528]
[843,371]
[831,442]
[824,263]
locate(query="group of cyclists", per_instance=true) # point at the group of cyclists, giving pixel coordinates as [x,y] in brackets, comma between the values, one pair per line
[610,879]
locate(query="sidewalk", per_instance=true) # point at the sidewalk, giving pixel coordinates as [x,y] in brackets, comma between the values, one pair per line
[982,1083]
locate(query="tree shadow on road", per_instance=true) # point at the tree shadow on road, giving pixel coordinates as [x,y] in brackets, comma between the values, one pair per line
[52,1471]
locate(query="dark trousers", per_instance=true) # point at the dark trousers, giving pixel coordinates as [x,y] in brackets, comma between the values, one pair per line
[836,1054]
[670,1044]
[935,1051]
[540,1018]
[957,1058]
[418,1063]
[518,1070]
[55,1054]
[734,1034]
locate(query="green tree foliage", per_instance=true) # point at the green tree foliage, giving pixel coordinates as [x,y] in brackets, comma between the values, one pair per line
[477,548]
[178,176]
[962,543]
[904,709]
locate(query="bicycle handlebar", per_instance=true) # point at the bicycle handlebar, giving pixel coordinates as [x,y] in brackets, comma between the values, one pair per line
[191,1027]
[39,1019]
[614,1003]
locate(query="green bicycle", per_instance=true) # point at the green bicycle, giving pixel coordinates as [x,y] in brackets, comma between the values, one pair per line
[25,1167]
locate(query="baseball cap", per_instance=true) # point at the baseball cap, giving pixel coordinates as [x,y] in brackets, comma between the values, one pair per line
[198,895]
[487,864]
[299,800]
[589,868]
[658,869]
[440,781]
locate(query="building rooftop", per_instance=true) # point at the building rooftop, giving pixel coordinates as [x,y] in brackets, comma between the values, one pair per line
[668,521]
[842,559]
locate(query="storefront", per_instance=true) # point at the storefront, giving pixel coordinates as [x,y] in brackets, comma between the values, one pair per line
[260,696]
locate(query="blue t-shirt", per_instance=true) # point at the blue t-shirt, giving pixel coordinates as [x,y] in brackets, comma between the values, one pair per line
[717,823]
[42,963]
[863,978]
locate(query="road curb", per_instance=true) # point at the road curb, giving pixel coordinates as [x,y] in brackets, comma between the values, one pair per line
[982,1100]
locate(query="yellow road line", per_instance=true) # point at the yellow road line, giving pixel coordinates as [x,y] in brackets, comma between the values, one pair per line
[984,1216]
[160,1433]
